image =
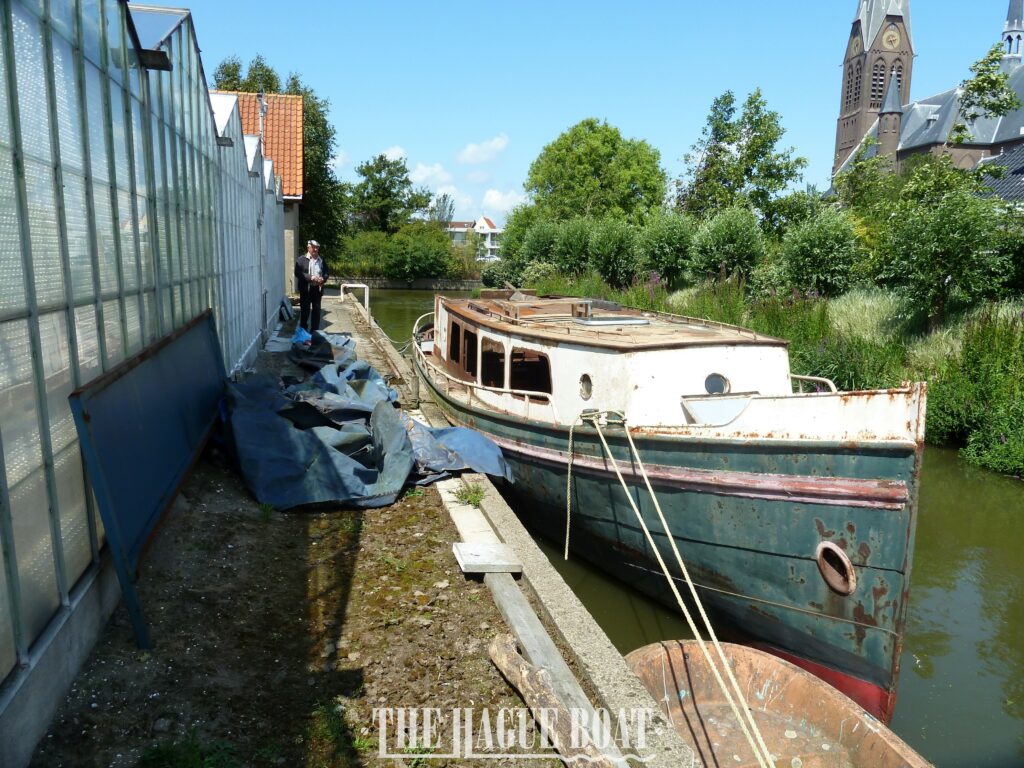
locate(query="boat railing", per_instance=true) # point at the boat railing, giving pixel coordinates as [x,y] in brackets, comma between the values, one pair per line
[801,380]
[436,372]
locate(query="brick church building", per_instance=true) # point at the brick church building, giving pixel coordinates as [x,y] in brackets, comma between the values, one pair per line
[875,98]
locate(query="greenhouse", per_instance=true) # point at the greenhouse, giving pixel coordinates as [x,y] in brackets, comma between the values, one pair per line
[130,202]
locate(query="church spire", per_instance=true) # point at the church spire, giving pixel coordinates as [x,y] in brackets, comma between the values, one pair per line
[872,15]
[1013,35]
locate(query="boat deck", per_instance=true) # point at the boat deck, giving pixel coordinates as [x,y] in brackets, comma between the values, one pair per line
[601,324]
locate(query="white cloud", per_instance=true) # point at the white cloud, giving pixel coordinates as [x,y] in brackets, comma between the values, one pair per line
[340,160]
[484,152]
[431,175]
[478,177]
[394,153]
[496,201]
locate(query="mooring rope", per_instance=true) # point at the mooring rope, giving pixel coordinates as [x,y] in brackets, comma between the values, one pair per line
[752,733]
[568,488]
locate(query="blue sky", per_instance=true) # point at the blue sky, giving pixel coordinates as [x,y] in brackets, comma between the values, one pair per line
[471,92]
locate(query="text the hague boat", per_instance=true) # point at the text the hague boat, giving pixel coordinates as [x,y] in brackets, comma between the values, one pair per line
[794,511]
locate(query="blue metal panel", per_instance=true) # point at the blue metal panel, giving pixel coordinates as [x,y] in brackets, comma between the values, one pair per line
[142,425]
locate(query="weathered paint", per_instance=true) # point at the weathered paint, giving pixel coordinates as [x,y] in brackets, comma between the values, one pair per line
[749,540]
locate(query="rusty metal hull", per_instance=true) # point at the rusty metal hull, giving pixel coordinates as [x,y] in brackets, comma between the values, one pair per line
[748,516]
[803,721]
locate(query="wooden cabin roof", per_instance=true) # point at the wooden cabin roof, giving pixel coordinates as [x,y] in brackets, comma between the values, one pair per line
[599,324]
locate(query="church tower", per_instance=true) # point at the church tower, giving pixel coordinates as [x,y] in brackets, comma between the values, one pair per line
[1013,34]
[880,52]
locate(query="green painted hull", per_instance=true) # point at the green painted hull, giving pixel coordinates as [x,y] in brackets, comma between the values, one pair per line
[749,542]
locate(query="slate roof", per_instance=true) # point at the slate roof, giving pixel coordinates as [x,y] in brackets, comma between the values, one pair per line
[872,15]
[892,105]
[1011,185]
[282,134]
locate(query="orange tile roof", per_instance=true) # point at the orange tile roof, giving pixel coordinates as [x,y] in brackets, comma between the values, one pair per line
[282,134]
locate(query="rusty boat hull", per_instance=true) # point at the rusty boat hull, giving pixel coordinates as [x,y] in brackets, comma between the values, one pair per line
[803,721]
[750,516]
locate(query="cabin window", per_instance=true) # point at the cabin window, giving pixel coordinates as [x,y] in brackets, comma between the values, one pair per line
[530,371]
[492,363]
[717,384]
[586,386]
[469,350]
[455,343]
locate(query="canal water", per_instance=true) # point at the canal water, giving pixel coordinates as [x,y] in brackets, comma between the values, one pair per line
[961,697]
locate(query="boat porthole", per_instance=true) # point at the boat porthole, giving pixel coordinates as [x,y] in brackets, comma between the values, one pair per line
[836,569]
[716,384]
[586,386]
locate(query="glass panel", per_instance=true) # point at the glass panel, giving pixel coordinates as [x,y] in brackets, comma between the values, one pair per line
[28,62]
[69,124]
[117,130]
[62,14]
[149,313]
[23,457]
[42,221]
[145,243]
[12,280]
[79,237]
[112,332]
[74,517]
[133,321]
[154,25]
[97,123]
[89,364]
[91,39]
[167,306]
[7,653]
[115,40]
[56,354]
[5,116]
[105,240]
[129,259]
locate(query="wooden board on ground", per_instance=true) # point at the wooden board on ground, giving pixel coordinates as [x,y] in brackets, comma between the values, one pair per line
[486,558]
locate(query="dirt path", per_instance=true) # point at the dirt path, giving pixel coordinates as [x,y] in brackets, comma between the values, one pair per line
[277,634]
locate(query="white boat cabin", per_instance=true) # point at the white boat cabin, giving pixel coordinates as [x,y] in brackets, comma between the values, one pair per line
[549,360]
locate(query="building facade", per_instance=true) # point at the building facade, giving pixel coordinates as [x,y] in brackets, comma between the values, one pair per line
[485,228]
[898,127]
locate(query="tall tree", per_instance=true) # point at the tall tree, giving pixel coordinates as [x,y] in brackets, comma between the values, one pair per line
[228,74]
[985,95]
[738,161]
[442,210]
[385,199]
[591,170]
[261,77]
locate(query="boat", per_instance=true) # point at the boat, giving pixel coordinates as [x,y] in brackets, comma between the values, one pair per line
[803,721]
[793,504]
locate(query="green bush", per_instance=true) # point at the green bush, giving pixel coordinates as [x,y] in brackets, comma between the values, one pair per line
[363,255]
[663,245]
[612,253]
[539,242]
[571,249]
[769,278]
[419,249]
[538,272]
[820,253]
[730,242]
[494,274]
[723,301]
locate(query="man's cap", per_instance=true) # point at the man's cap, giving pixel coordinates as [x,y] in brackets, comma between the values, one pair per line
[314,243]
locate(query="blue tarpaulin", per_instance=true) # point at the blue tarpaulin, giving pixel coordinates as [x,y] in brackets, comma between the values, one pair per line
[339,438]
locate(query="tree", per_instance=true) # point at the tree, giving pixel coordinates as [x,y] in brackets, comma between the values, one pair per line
[821,252]
[442,210]
[665,243]
[591,170]
[730,242]
[385,199]
[539,243]
[986,95]
[419,249]
[261,77]
[228,74]
[571,251]
[933,251]
[738,161]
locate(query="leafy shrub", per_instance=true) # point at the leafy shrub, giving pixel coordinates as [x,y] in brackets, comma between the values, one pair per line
[730,242]
[494,274]
[539,242]
[663,245]
[537,272]
[419,249]
[769,278]
[612,253]
[363,255]
[571,249]
[820,253]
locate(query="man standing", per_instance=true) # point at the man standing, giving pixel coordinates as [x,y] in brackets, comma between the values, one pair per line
[310,276]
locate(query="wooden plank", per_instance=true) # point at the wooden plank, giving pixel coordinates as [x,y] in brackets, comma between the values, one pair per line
[486,558]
